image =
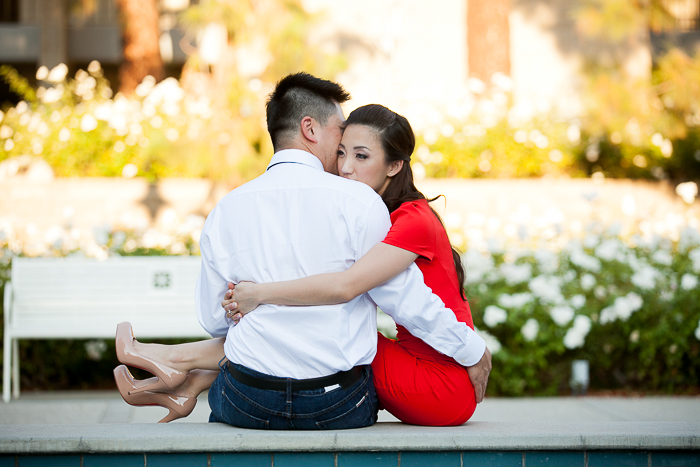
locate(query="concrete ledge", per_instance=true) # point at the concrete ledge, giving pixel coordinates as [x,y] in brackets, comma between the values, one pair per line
[388,437]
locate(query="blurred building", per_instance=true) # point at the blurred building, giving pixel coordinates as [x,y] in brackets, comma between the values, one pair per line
[412,55]
[48,32]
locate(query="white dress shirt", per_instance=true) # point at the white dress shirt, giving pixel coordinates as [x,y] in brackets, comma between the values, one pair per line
[294,221]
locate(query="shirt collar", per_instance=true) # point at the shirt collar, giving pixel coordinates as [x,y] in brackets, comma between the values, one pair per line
[295,156]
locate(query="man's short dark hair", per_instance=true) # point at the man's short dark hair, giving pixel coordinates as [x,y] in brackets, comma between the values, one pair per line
[297,96]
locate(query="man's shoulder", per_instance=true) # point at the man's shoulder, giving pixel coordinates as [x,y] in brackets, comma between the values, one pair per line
[333,186]
[350,188]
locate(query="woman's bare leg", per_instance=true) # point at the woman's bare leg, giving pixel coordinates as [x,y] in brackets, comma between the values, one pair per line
[203,355]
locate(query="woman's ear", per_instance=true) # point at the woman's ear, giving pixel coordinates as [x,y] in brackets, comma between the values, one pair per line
[308,129]
[394,168]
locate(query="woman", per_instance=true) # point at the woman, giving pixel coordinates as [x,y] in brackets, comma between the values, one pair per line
[414,382]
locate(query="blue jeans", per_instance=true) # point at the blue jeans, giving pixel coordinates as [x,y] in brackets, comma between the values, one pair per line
[243,406]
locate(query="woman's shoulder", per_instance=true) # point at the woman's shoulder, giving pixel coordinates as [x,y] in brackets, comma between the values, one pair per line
[417,208]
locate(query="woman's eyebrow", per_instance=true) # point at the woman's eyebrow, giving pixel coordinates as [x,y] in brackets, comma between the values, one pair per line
[362,147]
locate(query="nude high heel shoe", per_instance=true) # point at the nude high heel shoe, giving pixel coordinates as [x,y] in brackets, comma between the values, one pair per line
[178,406]
[168,378]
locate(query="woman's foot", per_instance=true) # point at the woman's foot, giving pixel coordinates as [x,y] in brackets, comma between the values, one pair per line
[127,353]
[178,402]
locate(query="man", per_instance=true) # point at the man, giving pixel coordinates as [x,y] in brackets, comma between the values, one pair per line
[308,367]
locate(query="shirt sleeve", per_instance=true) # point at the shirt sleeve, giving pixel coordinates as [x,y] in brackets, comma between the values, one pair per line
[211,285]
[374,228]
[412,304]
[411,230]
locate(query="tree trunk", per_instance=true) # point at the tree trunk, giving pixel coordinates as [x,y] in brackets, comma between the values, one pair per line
[488,38]
[141,49]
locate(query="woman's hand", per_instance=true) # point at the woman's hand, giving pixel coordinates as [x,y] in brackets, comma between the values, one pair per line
[240,300]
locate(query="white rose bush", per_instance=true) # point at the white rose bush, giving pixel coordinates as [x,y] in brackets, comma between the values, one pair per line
[630,306]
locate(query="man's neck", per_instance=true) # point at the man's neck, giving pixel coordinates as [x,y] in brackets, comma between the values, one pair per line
[300,145]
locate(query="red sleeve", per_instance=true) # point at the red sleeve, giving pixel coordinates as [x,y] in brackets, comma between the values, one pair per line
[413,229]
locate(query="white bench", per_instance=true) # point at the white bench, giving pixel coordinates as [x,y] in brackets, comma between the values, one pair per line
[79,298]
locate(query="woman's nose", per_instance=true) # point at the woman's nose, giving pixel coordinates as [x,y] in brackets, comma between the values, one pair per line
[345,167]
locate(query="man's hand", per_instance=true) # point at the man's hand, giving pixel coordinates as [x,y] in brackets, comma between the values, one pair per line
[479,375]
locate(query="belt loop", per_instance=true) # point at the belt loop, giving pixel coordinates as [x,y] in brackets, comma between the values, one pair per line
[289,398]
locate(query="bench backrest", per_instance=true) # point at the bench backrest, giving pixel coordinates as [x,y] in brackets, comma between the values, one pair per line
[86,298]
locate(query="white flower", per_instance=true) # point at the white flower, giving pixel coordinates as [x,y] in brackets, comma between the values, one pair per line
[547,289]
[491,342]
[562,315]
[95,349]
[101,234]
[517,300]
[645,278]
[634,336]
[689,282]
[64,134]
[94,67]
[58,73]
[547,261]
[690,238]
[697,331]
[667,148]
[695,258]
[577,301]
[6,132]
[88,123]
[476,265]
[42,73]
[687,191]
[662,257]
[515,273]
[622,308]
[585,261]
[591,240]
[52,95]
[530,329]
[610,250]
[129,171]
[576,335]
[587,281]
[494,316]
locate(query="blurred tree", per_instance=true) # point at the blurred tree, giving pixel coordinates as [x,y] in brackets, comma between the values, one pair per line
[242,46]
[141,47]
[488,38]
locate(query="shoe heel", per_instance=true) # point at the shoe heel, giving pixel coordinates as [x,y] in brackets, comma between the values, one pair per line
[157,386]
[172,415]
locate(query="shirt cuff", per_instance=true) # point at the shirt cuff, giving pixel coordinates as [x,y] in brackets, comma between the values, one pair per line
[471,353]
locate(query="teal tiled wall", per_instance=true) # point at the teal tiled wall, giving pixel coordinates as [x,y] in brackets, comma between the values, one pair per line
[368,459]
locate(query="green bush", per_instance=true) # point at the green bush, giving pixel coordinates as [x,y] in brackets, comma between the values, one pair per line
[628,307]
[626,303]
[627,130]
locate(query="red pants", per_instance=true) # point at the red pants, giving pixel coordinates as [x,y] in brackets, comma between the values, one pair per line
[420,390]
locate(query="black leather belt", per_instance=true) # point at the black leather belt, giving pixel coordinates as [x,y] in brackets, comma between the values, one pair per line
[344,378]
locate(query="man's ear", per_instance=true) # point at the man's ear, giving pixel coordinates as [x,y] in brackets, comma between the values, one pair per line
[308,129]
[394,168]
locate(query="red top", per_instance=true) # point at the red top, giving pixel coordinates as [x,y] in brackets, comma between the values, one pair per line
[415,228]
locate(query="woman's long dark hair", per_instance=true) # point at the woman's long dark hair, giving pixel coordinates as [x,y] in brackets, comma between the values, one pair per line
[398,143]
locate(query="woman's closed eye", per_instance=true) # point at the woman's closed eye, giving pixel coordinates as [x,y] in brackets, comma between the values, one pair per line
[340,153]
[361,156]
